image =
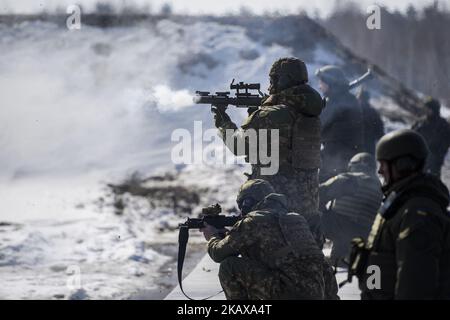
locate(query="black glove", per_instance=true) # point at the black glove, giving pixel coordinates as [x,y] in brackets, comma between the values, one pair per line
[220,116]
[251,110]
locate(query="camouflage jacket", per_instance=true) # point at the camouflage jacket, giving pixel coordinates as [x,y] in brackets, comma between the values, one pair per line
[294,257]
[278,111]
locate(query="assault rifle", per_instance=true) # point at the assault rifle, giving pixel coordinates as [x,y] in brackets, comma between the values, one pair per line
[242,98]
[210,215]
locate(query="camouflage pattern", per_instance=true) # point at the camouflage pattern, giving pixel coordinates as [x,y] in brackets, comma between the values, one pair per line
[410,242]
[257,189]
[280,111]
[293,68]
[271,265]
[436,132]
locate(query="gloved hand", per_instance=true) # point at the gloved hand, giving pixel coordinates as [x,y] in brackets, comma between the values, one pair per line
[220,116]
[251,110]
[210,231]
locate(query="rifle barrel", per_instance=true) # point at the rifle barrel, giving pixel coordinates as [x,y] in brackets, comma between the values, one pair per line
[241,101]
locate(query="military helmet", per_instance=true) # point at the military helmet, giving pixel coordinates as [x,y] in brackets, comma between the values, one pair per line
[293,68]
[432,104]
[362,162]
[402,143]
[257,189]
[332,75]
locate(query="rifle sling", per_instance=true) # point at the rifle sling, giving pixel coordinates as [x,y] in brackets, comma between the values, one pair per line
[183,238]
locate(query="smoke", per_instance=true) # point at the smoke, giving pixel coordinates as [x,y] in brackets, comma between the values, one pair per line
[80,101]
[167,99]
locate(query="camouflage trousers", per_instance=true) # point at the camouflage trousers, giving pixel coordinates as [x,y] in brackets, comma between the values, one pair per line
[301,188]
[245,279]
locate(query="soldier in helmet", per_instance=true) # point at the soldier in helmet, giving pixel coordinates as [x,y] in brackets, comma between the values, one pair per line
[409,241]
[436,132]
[293,108]
[353,199]
[342,122]
[270,253]
[373,124]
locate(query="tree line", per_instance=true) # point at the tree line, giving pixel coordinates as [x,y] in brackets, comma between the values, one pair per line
[412,46]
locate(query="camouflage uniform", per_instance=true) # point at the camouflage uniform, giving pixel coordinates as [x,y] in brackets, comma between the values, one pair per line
[436,132]
[354,197]
[280,111]
[271,254]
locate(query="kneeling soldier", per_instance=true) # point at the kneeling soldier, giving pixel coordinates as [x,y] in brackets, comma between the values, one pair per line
[270,253]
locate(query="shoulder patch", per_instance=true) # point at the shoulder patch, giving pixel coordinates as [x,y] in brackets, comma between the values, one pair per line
[404,234]
[422,213]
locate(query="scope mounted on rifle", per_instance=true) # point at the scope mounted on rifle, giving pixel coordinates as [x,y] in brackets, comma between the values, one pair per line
[243,98]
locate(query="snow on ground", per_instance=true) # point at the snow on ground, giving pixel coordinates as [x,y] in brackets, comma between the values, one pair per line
[123,256]
[83,109]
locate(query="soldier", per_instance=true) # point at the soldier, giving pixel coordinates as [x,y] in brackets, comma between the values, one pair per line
[342,124]
[270,253]
[373,125]
[354,198]
[293,108]
[410,238]
[436,132]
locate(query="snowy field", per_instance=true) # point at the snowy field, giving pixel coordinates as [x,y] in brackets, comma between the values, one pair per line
[84,109]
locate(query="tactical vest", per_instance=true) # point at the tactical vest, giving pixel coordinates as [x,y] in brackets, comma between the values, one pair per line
[387,262]
[305,147]
[297,234]
[300,136]
[362,205]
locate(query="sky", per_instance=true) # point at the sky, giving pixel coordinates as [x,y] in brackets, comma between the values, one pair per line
[322,7]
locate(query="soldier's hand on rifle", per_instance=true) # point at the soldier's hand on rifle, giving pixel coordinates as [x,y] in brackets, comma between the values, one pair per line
[220,116]
[209,231]
[251,110]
